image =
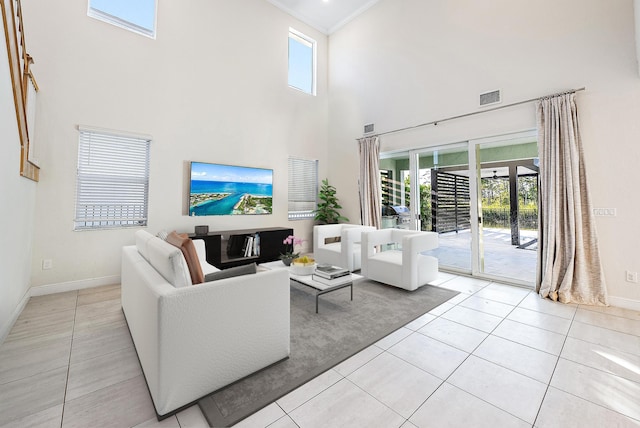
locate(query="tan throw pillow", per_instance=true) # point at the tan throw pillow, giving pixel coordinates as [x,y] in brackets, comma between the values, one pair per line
[185,244]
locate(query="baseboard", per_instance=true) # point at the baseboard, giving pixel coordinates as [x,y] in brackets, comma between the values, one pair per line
[6,329]
[625,303]
[81,284]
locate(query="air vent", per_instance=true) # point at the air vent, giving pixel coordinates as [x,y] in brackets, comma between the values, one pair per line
[368,128]
[488,98]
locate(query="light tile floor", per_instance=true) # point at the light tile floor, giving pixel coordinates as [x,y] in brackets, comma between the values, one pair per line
[493,356]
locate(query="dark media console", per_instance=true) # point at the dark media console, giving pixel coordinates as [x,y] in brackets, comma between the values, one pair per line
[229,248]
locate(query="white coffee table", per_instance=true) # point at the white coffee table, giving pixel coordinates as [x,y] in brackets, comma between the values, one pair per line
[307,280]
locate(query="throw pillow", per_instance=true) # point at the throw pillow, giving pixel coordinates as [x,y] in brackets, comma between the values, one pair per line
[190,255]
[231,272]
[163,235]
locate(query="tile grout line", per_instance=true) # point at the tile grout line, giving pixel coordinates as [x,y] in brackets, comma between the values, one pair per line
[345,377]
[605,327]
[590,309]
[566,336]
[376,398]
[66,383]
[311,398]
[466,358]
[499,365]
[286,415]
[469,355]
[554,370]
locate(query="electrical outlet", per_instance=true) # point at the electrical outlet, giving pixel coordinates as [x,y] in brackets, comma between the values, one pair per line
[632,277]
[47,264]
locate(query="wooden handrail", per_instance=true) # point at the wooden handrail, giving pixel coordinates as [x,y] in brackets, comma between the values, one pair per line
[19,68]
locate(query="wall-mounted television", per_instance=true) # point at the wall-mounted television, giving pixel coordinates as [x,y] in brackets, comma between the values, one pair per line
[229,190]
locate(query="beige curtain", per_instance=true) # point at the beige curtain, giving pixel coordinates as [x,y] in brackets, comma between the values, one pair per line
[569,268]
[370,192]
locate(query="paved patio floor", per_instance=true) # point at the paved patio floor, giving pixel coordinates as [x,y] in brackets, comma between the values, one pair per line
[500,257]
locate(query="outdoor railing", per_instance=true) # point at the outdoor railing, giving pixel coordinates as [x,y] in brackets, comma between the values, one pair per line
[500,218]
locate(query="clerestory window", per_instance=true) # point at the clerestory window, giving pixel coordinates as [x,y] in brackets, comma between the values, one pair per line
[302,62]
[138,16]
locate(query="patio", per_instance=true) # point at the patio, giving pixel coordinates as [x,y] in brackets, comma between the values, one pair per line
[500,257]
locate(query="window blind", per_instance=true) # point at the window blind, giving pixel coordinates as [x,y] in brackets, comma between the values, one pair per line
[112,180]
[303,188]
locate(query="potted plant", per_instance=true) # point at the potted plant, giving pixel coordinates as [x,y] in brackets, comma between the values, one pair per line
[291,242]
[327,211]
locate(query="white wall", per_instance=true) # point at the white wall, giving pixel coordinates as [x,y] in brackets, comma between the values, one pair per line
[404,63]
[17,207]
[212,88]
[636,10]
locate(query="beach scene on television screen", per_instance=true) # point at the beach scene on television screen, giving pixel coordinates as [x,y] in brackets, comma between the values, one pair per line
[230,190]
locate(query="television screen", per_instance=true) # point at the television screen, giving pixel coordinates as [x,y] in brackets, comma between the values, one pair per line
[229,190]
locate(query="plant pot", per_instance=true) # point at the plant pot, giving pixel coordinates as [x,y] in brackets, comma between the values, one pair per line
[287,260]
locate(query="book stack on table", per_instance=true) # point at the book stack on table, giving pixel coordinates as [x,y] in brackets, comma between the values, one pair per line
[331,275]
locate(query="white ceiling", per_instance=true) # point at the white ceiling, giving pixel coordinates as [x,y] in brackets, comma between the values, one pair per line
[324,15]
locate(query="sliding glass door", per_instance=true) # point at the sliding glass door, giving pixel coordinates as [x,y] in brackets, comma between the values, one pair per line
[485,216]
[444,203]
[507,185]
[428,190]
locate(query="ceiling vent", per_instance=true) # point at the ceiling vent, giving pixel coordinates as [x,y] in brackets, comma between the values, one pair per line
[368,129]
[489,98]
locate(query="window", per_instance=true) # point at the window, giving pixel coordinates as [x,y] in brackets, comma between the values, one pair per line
[303,188]
[136,15]
[32,94]
[112,181]
[302,62]
[386,181]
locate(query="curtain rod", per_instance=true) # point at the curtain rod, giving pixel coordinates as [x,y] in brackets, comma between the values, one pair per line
[436,122]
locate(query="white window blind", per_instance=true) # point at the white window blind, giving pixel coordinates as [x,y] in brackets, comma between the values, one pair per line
[112,180]
[303,188]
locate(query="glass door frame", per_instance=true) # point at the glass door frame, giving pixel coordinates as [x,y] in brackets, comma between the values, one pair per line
[414,207]
[472,147]
[477,250]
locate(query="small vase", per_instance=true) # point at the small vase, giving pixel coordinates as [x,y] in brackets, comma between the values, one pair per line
[287,261]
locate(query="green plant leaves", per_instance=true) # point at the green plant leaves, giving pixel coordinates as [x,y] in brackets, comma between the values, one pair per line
[327,210]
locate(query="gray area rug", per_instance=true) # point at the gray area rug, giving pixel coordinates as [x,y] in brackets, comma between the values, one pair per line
[321,341]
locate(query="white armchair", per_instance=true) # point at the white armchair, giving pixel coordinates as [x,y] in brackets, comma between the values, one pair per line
[406,267]
[346,252]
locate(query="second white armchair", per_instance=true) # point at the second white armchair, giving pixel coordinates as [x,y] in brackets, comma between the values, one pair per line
[403,267]
[345,251]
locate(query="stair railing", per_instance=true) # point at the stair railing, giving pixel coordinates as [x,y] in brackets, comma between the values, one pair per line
[23,84]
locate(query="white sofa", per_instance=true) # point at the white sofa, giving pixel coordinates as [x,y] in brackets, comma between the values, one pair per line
[344,253]
[401,265]
[192,340]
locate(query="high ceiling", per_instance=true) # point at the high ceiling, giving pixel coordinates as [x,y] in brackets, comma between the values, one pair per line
[324,15]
